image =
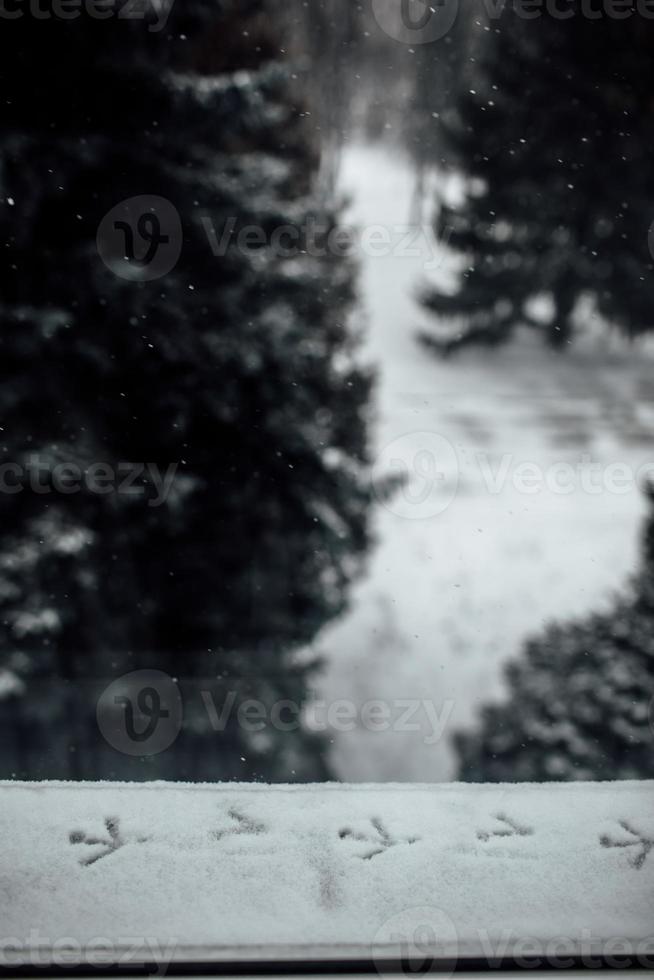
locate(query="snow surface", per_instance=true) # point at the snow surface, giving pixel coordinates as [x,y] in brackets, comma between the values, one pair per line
[449,598]
[173,866]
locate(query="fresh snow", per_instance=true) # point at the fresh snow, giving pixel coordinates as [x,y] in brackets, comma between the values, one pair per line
[171,867]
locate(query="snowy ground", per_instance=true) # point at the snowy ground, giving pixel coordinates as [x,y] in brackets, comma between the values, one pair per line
[450,870]
[463,569]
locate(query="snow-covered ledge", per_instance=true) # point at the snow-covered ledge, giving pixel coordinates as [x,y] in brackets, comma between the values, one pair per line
[89,872]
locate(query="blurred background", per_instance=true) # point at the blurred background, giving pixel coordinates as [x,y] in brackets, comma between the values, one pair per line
[327,401]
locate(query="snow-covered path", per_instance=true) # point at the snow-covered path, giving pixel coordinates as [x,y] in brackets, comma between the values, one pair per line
[464,569]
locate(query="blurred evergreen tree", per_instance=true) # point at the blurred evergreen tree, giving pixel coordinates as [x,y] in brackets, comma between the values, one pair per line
[552,129]
[238,369]
[581,699]
[327,46]
[440,69]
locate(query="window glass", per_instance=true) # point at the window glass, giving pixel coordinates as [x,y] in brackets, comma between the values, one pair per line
[327,406]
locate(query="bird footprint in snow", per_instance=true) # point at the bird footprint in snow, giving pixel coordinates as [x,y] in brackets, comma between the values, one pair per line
[636,840]
[509,829]
[109,844]
[381,840]
[242,825]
